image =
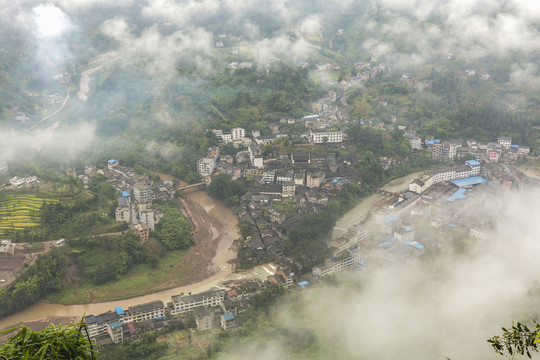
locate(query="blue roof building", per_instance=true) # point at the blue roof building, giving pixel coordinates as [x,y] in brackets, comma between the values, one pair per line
[115,325]
[472,162]
[112,161]
[228,316]
[119,310]
[473,180]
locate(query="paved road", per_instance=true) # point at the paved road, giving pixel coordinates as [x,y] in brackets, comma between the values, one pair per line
[54,113]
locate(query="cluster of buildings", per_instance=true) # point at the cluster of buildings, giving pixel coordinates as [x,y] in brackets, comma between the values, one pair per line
[209,309]
[445,174]
[237,136]
[367,70]
[286,190]
[138,192]
[435,204]
[18,181]
[85,177]
[6,247]
[502,150]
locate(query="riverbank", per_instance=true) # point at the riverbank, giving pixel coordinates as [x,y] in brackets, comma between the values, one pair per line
[221,233]
[209,255]
[210,266]
[363,209]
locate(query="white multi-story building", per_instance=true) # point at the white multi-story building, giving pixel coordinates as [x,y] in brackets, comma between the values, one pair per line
[255,156]
[142,193]
[471,168]
[288,189]
[182,304]
[241,142]
[123,211]
[522,150]
[405,233]
[206,166]
[227,138]
[147,311]
[505,141]
[321,137]
[238,133]
[146,216]
[481,234]
[16,181]
[415,141]
[331,266]
[269,176]
[6,246]
[115,332]
[314,179]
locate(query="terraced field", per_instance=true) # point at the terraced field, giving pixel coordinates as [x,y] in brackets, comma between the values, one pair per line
[18,211]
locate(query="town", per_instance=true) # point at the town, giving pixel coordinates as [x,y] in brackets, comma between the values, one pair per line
[428,218]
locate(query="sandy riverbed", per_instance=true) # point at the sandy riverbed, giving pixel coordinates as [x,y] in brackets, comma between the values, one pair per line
[215,246]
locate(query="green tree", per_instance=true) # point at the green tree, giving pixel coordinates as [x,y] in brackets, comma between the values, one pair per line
[68,342]
[245,228]
[173,230]
[518,339]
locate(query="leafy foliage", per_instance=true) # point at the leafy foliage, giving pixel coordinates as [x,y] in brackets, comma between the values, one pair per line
[146,348]
[518,339]
[306,243]
[104,259]
[41,278]
[173,230]
[222,187]
[52,343]
[265,299]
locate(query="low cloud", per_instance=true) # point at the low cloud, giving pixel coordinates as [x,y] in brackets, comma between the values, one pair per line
[437,308]
[525,76]
[192,45]
[68,142]
[166,151]
[281,47]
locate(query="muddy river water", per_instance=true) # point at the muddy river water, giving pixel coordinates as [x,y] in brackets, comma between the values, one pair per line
[215,209]
[228,219]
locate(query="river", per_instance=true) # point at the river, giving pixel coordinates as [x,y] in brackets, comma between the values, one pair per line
[228,219]
[217,210]
[360,212]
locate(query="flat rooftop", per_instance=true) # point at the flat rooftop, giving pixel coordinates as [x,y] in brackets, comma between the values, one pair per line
[474,180]
[458,195]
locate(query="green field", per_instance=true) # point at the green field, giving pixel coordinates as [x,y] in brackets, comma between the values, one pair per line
[179,344]
[18,211]
[174,269]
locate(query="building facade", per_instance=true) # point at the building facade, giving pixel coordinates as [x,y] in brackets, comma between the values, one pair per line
[206,166]
[184,303]
[321,137]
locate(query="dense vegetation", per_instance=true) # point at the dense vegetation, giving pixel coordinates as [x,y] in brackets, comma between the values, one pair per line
[223,188]
[76,218]
[106,259]
[173,230]
[146,348]
[39,279]
[52,343]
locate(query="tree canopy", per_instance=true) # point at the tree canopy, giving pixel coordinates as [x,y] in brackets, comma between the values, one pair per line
[173,230]
[52,343]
